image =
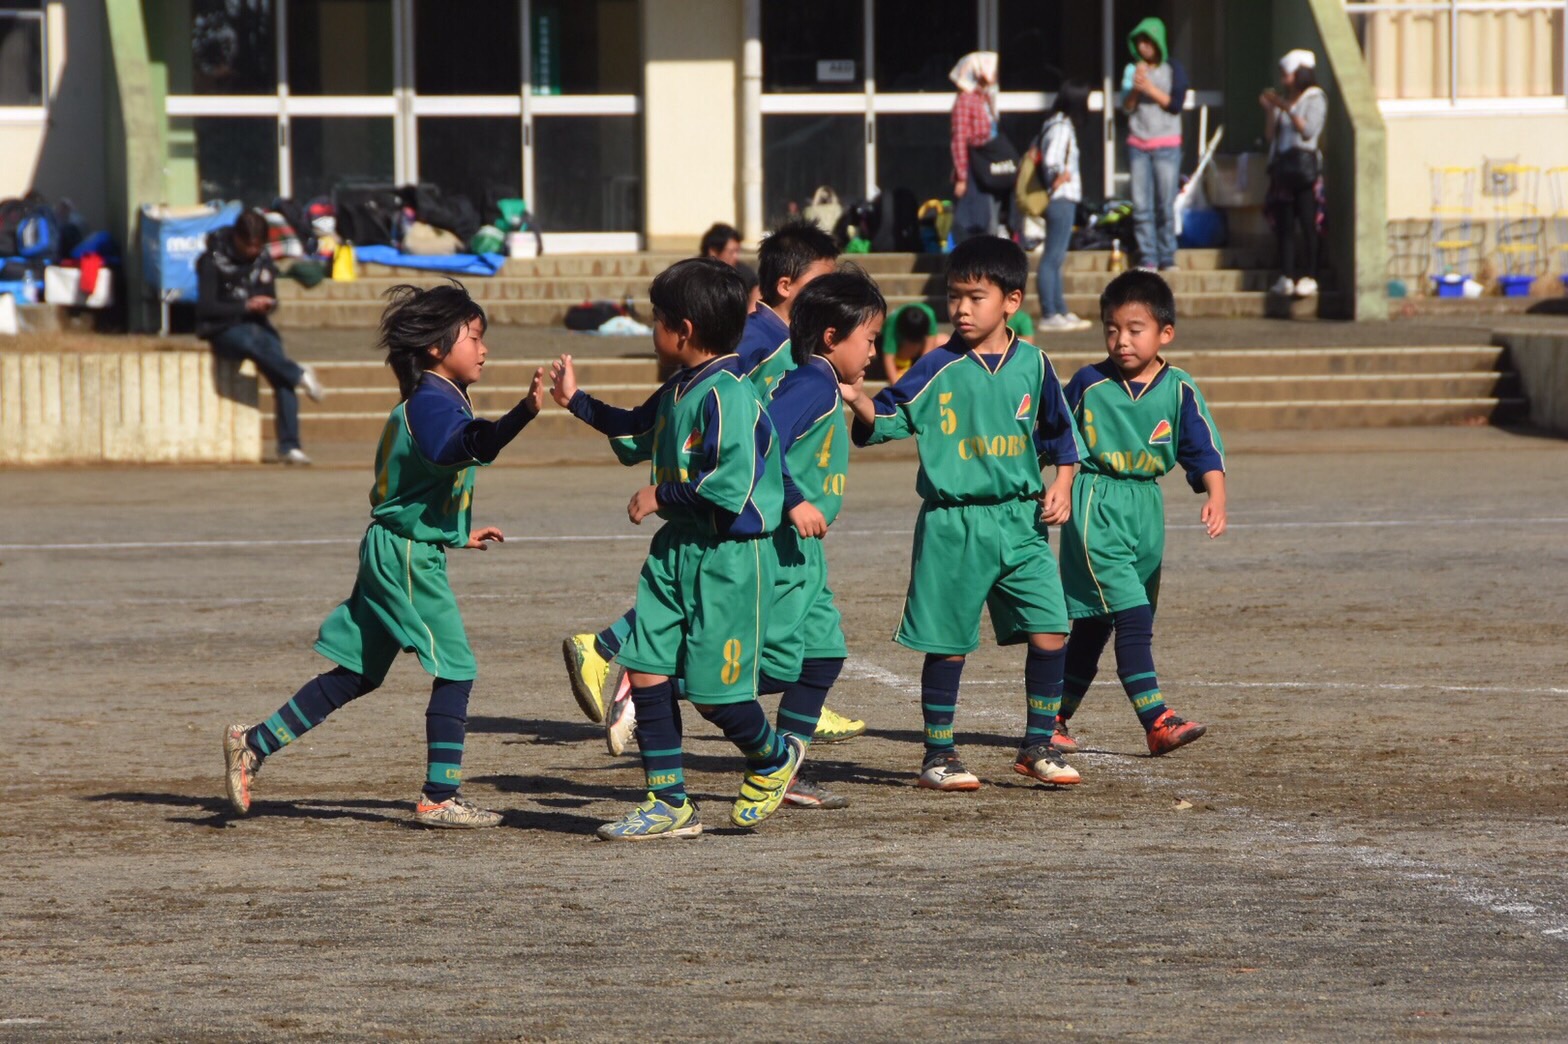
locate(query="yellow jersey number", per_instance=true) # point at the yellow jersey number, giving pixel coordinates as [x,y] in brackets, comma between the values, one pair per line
[730,674]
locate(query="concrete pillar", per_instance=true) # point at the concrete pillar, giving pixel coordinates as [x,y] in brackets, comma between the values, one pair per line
[690,118]
[135,144]
[751,123]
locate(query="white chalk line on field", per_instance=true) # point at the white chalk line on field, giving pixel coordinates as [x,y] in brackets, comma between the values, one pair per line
[1542,917]
[589,538]
[1191,683]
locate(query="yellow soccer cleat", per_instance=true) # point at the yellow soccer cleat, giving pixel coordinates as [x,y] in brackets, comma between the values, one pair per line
[588,672]
[761,793]
[833,727]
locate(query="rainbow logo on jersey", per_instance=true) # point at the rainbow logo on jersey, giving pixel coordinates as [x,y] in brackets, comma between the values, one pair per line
[1161,435]
[1023,409]
[694,441]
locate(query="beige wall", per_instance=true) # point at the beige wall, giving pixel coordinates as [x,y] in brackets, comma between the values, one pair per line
[1502,54]
[65,155]
[690,97]
[1466,139]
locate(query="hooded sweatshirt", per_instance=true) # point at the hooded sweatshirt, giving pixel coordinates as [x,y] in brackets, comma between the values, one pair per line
[1152,126]
[224,282]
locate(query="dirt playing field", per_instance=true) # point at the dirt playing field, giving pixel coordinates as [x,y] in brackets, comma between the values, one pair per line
[1375,844]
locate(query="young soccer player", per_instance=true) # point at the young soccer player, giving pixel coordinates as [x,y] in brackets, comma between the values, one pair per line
[708,581]
[1137,416]
[789,259]
[420,505]
[988,413]
[833,334]
[911,333]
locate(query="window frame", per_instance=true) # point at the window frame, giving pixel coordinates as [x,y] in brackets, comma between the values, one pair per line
[33,113]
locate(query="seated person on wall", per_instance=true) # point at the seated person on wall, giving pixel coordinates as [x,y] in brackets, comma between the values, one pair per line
[237,291]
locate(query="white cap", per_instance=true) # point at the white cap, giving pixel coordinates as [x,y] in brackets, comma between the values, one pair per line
[1297,59]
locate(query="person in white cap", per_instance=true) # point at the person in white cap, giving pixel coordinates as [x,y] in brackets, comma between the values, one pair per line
[1295,116]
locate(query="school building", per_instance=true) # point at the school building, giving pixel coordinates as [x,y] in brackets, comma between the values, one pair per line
[634,124]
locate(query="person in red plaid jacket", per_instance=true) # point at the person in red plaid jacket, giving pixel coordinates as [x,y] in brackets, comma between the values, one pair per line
[974,123]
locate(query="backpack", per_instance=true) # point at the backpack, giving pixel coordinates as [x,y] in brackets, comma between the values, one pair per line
[993,167]
[371,215]
[590,315]
[11,213]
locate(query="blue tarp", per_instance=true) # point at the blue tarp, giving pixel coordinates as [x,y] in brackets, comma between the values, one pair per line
[171,245]
[456,264]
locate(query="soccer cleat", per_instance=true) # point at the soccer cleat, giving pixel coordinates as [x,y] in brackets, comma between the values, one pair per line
[761,793]
[587,671]
[454,813]
[295,457]
[808,793]
[1045,763]
[943,771]
[833,727]
[655,818]
[310,384]
[1169,732]
[240,765]
[1063,740]
[620,720]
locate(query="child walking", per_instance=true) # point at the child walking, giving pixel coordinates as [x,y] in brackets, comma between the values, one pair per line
[705,589]
[1138,417]
[420,505]
[988,413]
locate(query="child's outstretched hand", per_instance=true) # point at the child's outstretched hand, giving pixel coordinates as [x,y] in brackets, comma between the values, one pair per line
[477,539]
[808,521]
[644,502]
[1214,516]
[563,380]
[536,391]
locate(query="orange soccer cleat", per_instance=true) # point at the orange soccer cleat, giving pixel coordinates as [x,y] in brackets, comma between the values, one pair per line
[1169,732]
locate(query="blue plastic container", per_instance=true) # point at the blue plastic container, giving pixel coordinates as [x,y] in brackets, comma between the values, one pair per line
[1516,285]
[1450,285]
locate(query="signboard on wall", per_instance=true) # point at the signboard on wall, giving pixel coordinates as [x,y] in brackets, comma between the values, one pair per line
[836,70]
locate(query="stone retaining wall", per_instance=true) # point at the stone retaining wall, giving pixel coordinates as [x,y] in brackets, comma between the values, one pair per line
[1541,360]
[134,407]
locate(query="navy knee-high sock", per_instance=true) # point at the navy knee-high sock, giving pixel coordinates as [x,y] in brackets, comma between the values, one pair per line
[801,705]
[446,727]
[1084,646]
[1042,693]
[939,701]
[659,739]
[746,725]
[1135,663]
[322,695]
[608,642]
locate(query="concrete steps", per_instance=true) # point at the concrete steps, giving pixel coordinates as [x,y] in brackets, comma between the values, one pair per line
[1227,283]
[1248,389]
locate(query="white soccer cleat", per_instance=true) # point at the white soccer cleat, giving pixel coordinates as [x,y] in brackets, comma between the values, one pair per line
[620,719]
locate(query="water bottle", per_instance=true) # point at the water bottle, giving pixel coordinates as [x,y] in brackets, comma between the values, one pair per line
[29,288]
[1118,259]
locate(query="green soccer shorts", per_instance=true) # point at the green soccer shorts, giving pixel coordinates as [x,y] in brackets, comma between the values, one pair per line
[803,622]
[702,606]
[401,603]
[972,555]
[1113,545]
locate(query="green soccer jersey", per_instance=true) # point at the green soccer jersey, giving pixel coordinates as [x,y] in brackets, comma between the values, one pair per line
[985,425]
[714,456]
[808,413]
[1142,431]
[415,498]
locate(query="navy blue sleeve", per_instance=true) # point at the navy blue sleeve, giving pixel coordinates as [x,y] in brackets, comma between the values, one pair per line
[1178,87]
[1196,450]
[797,405]
[1055,435]
[612,420]
[1078,385]
[439,423]
[485,439]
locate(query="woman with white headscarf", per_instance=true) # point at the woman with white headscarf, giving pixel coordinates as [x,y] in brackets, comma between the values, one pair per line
[1295,116]
[975,212]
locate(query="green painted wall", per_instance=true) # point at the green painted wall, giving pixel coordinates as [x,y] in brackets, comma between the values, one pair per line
[135,143]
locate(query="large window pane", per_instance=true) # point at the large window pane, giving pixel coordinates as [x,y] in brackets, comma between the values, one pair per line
[586,47]
[476,156]
[588,173]
[236,158]
[919,41]
[340,47]
[1021,128]
[473,47]
[216,47]
[329,151]
[1043,44]
[813,45]
[21,60]
[801,152]
[912,153]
